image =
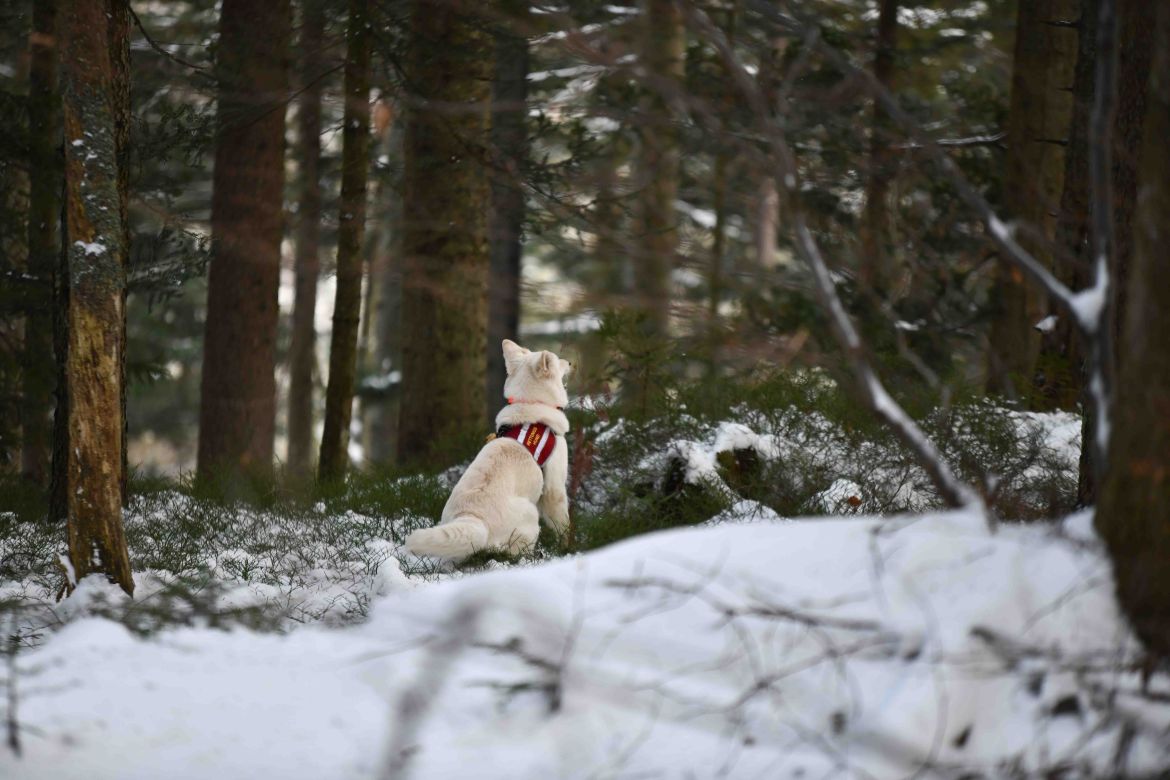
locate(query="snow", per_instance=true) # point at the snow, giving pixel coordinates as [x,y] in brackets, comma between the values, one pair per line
[91,249]
[582,323]
[874,647]
[1088,304]
[1048,324]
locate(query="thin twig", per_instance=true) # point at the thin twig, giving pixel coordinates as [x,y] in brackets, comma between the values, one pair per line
[202,70]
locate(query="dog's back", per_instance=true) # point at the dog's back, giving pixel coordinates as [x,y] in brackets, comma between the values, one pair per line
[492,505]
[498,502]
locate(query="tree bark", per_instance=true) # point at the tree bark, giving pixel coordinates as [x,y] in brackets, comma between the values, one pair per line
[45,175]
[509,140]
[664,45]
[718,251]
[1133,515]
[1062,356]
[302,354]
[878,263]
[118,19]
[381,413]
[444,306]
[1135,20]
[87,486]
[21,296]
[1038,124]
[355,164]
[238,393]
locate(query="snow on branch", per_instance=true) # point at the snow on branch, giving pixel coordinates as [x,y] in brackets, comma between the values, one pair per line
[1088,309]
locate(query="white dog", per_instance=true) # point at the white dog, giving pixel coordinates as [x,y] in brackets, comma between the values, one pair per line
[517,477]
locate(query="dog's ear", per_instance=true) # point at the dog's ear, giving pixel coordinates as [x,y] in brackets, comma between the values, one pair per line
[566,367]
[513,355]
[544,368]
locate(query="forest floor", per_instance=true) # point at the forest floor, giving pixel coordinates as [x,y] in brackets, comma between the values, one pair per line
[879,638]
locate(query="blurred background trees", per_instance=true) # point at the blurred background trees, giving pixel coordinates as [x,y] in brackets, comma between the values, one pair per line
[588,193]
[582,176]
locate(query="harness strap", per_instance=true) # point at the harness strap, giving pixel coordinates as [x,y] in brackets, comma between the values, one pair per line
[537,438]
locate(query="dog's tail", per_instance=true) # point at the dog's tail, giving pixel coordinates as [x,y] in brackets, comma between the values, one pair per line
[457,539]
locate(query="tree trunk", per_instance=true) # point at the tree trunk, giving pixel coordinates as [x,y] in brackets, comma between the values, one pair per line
[766,224]
[878,263]
[118,19]
[1062,356]
[1134,512]
[17,293]
[381,413]
[1038,125]
[718,251]
[44,215]
[87,485]
[355,165]
[509,140]
[302,353]
[444,297]
[664,45]
[237,412]
[1135,26]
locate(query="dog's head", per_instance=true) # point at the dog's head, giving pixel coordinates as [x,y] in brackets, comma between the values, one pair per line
[535,376]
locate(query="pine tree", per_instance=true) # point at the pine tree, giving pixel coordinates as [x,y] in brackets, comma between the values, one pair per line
[445,251]
[1038,126]
[238,395]
[1062,356]
[509,141]
[877,260]
[87,456]
[664,47]
[351,232]
[1133,515]
[302,353]
[44,166]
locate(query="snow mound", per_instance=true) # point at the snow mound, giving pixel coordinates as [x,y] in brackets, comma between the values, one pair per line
[844,647]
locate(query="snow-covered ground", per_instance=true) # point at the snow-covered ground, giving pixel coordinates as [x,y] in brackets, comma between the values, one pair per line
[892,647]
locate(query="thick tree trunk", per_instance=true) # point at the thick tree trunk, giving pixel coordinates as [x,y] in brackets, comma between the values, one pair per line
[444,297]
[664,44]
[87,487]
[1062,356]
[1133,515]
[302,354]
[17,291]
[238,396]
[509,140]
[1135,20]
[878,262]
[355,165]
[1038,125]
[44,216]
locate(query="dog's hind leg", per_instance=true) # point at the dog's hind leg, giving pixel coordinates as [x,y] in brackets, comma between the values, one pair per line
[456,539]
[525,524]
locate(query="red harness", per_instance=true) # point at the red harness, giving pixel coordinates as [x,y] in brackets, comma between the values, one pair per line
[537,438]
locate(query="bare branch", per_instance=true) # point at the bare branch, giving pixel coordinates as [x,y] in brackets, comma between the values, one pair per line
[1088,309]
[1000,233]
